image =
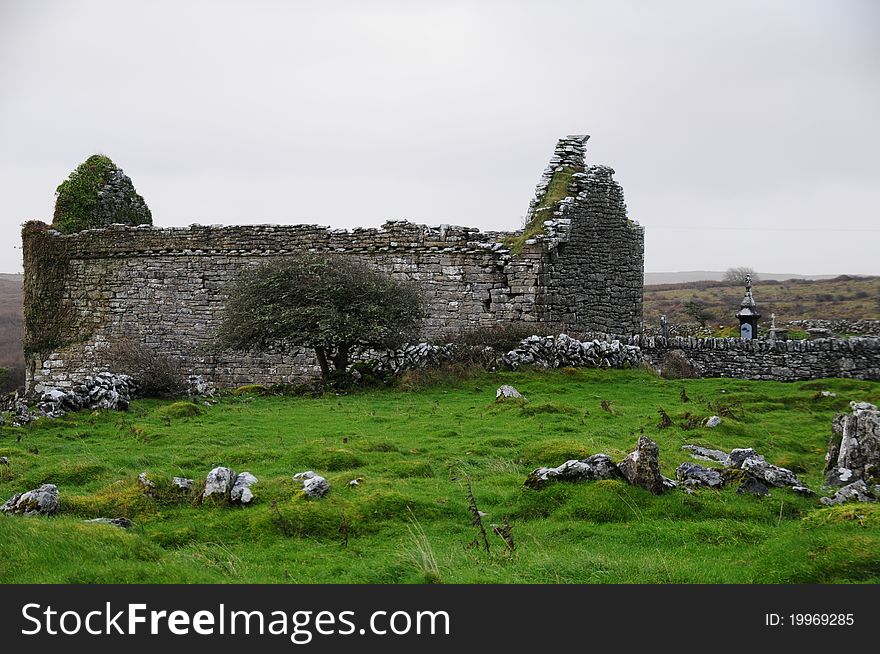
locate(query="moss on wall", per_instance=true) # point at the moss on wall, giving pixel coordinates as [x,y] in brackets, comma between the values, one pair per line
[48,317]
[558,189]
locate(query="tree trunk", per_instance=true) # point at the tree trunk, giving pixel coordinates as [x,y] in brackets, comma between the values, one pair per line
[340,359]
[321,355]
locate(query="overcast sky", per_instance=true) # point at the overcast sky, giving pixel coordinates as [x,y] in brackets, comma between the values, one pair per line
[743,133]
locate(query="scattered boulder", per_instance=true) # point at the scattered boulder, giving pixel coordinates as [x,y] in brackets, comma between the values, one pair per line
[756,466]
[122,523]
[219,482]
[313,485]
[693,474]
[356,482]
[713,421]
[4,460]
[854,448]
[597,466]
[857,491]
[641,467]
[183,484]
[752,486]
[39,501]
[507,393]
[241,489]
[707,454]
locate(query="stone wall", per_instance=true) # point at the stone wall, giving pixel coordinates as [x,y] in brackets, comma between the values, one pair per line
[856,358]
[839,326]
[164,288]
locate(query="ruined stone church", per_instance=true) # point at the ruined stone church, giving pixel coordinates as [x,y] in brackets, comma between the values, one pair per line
[577,262]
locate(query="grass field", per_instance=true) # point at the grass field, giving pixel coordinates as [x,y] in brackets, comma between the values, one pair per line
[407,522]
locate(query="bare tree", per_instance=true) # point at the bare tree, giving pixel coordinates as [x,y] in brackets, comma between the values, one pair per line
[737,276]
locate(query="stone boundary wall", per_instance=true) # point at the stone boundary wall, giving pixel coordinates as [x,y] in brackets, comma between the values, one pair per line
[163,288]
[797,360]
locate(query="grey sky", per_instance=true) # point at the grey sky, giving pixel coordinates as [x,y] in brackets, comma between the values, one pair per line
[753,125]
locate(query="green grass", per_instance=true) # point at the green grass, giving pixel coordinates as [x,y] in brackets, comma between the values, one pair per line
[407,521]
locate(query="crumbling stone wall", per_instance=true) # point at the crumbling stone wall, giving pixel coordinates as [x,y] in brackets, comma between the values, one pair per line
[164,287]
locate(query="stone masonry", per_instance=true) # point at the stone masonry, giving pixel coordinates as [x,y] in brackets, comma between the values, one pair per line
[164,288]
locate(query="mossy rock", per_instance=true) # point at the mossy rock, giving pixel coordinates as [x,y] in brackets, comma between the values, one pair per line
[181,410]
[98,194]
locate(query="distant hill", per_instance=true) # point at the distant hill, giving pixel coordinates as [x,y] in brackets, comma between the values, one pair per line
[844,296]
[717,275]
[11,331]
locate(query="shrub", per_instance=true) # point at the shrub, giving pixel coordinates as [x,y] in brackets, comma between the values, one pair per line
[156,374]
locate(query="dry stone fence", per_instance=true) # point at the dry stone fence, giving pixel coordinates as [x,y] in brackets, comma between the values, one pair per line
[578,262]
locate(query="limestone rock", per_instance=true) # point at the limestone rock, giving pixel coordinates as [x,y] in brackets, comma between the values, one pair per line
[183,484]
[313,485]
[106,390]
[707,454]
[740,454]
[563,351]
[641,467]
[713,421]
[854,448]
[597,466]
[693,474]
[757,467]
[857,491]
[752,486]
[219,482]
[145,483]
[507,393]
[39,501]
[198,387]
[241,489]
